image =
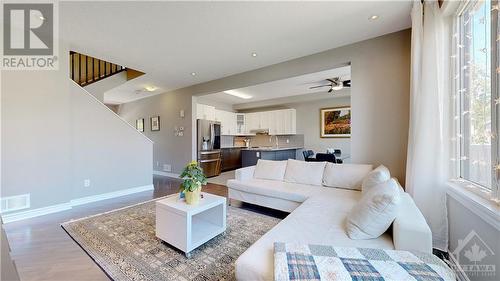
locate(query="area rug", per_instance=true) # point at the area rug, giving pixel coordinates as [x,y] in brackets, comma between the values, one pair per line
[123,243]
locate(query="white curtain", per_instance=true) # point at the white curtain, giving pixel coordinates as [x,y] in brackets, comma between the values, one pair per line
[428,143]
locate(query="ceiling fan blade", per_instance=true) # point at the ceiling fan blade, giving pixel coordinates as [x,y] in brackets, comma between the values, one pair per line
[331,89]
[331,80]
[319,86]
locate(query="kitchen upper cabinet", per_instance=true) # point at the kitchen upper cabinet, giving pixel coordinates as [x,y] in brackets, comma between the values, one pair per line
[228,122]
[278,122]
[252,121]
[206,112]
[241,123]
[287,122]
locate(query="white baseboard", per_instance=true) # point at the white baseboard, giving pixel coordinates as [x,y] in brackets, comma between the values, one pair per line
[166,174]
[75,202]
[35,212]
[109,195]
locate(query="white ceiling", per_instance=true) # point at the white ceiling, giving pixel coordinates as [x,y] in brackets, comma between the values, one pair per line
[289,87]
[170,40]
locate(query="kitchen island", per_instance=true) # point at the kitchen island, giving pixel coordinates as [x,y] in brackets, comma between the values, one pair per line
[250,156]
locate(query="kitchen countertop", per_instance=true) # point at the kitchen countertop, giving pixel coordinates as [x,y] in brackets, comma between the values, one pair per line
[229,147]
[272,148]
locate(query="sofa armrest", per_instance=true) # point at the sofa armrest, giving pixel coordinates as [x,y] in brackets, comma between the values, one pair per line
[410,230]
[244,174]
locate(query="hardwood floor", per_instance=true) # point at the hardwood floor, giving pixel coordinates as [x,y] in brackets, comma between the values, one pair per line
[43,251]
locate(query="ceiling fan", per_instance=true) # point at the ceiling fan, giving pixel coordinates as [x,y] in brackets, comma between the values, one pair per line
[335,84]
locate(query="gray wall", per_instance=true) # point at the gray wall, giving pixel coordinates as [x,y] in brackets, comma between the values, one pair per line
[216,104]
[380,71]
[106,149]
[53,137]
[36,135]
[461,222]
[308,124]
[168,148]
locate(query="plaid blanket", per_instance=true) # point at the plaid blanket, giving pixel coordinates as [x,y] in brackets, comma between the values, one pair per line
[322,262]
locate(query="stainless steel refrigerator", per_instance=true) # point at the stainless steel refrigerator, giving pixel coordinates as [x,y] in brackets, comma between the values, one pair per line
[209,158]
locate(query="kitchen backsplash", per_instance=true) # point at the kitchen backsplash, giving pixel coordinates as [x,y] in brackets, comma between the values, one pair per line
[264,140]
[227,141]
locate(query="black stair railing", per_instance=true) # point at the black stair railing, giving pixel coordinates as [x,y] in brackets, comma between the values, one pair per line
[86,70]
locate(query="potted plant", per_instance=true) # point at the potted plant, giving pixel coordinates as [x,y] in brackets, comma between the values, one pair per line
[193,178]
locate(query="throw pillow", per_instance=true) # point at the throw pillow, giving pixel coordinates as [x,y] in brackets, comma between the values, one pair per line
[375,212]
[270,170]
[379,175]
[304,172]
[349,176]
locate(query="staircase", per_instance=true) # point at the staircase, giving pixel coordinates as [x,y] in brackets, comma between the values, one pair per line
[85,70]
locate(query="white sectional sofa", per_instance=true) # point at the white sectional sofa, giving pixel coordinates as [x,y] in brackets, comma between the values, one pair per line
[318,215]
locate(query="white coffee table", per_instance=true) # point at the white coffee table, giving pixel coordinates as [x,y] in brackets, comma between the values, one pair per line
[187,227]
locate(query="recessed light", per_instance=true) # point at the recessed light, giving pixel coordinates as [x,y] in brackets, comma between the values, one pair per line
[150,88]
[254,55]
[238,94]
[193,73]
[41,17]
[374,17]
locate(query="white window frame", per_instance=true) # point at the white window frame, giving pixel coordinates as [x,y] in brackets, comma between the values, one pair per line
[493,193]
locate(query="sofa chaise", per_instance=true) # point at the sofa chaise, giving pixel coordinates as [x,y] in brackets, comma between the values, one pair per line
[317,212]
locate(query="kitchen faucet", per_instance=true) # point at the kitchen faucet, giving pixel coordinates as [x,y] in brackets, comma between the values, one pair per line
[277,142]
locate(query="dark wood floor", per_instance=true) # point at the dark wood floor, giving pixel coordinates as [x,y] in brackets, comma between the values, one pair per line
[43,251]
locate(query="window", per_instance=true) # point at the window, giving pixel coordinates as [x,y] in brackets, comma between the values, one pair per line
[476,94]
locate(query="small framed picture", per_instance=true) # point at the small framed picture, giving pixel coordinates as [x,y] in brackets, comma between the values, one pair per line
[155,123]
[139,125]
[335,122]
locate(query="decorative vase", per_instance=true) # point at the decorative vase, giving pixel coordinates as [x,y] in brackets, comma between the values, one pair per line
[193,197]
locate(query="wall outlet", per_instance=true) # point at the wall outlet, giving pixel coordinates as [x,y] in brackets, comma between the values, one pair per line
[167,168]
[287,141]
[157,163]
[86,183]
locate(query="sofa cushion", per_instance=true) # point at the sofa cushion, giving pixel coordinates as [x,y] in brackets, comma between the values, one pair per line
[349,176]
[277,189]
[379,175]
[304,172]
[375,212]
[270,170]
[319,220]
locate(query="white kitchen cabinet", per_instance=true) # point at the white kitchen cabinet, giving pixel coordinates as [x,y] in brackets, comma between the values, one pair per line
[278,122]
[288,122]
[241,123]
[206,112]
[252,121]
[284,122]
[219,115]
[228,122]
[265,120]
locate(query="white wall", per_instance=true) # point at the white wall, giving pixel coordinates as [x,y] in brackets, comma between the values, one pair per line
[97,89]
[54,135]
